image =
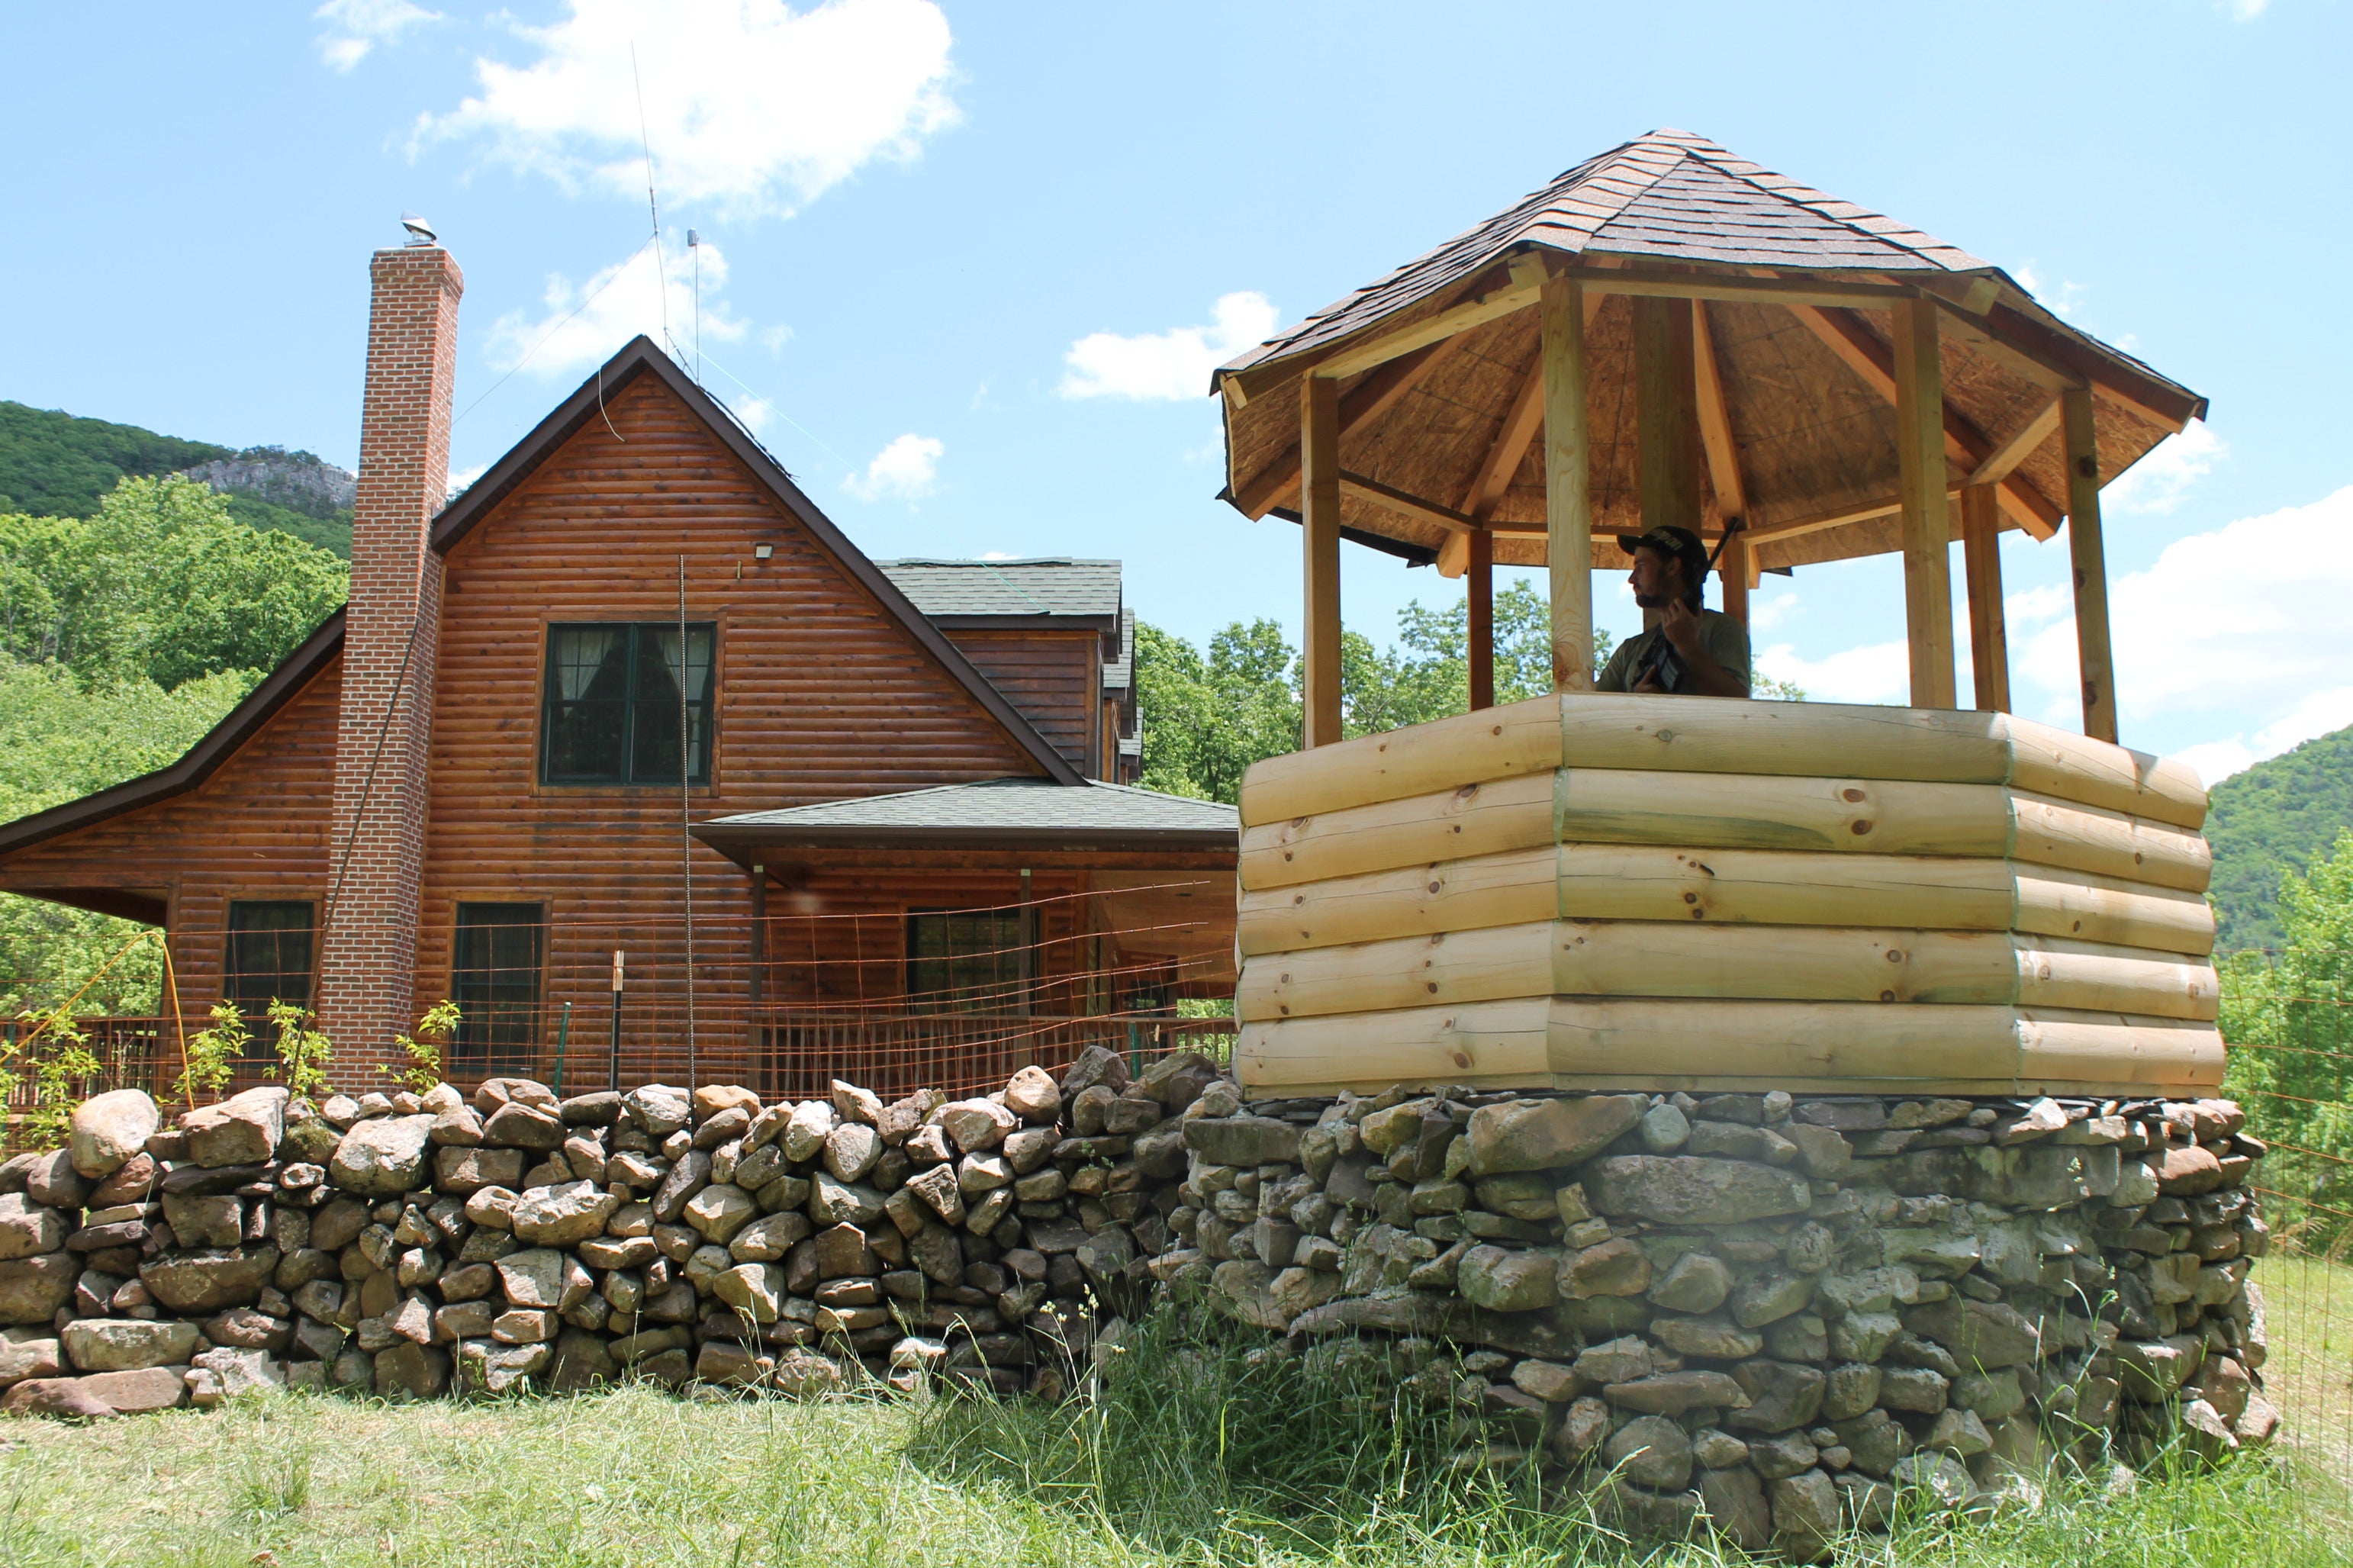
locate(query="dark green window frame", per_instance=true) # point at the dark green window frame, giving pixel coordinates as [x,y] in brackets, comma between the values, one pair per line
[965,960]
[269,955]
[496,959]
[610,706]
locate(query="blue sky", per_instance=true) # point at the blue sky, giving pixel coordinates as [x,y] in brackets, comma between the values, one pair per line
[964,265]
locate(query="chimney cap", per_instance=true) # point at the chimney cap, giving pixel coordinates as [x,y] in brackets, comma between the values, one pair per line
[419,231]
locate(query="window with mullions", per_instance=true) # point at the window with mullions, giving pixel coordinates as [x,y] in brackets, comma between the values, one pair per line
[494,980]
[964,959]
[270,944]
[611,707]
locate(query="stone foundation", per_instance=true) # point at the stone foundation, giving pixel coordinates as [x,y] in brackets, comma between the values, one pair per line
[1769,1313]
[410,1245]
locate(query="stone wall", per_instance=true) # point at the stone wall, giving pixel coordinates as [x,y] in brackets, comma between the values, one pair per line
[409,1244]
[1768,1313]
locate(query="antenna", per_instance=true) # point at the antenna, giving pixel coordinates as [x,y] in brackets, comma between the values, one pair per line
[694,249]
[661,273]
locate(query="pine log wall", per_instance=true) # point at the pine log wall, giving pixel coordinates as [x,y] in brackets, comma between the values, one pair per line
[1596,890]
[1053,677]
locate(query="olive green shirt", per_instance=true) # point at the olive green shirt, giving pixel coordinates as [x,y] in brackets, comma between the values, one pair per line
[1725,639]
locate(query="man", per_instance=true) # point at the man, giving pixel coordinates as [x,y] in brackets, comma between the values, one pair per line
[1693,652]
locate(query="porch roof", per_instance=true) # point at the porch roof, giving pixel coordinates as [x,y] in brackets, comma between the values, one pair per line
[997,813]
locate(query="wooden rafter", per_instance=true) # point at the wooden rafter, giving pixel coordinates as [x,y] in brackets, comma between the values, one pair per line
[1738,566]
[1873,361]
[1278,482]
[2016,446]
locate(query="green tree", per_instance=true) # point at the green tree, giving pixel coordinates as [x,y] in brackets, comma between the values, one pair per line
[2289,1014]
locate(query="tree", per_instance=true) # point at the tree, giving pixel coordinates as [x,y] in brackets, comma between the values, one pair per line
[162,585]
[2288,1016]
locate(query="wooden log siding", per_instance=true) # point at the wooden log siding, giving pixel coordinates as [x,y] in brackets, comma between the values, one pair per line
[259,828]
[820,695]
[1054,678]
[1681,892]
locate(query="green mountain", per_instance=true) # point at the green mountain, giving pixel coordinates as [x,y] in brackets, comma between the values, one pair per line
[2274,816]
[55,464]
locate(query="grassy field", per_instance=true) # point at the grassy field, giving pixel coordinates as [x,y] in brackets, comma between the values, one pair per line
[1212,1457]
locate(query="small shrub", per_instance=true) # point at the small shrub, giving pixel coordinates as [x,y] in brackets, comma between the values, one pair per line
[424,1048]
[56,1057]
[303,1051]
[209,1056]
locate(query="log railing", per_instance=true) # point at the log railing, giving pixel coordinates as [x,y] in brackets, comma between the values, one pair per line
[1591,890]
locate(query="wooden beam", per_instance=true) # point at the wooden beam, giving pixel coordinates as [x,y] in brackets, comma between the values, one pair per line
[1989,638]
[1740,290]
[1481,591]
[1666,414]
[1404,504]
[1319,441]
[1849,337]
[2159,401]
[1569,495]
[757,993]
[1515,295]
[2089,556]
[1738,570]
[1376,395]
[1503,461]
[1927,530]
[2019,445]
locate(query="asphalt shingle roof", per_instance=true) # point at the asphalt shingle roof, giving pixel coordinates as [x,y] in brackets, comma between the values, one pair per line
[1023,805]
[1118,672]
[1054,585]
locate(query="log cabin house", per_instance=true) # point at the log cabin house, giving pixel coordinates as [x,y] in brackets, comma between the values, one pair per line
[907,845]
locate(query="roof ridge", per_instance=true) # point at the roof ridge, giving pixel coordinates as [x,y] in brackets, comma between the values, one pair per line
[1855,216]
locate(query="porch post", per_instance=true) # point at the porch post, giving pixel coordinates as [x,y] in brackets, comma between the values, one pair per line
[1568,497]
[756,993]
[1926,524]
[1989,638]
[2089,555]
[1479,580]
[1319,452]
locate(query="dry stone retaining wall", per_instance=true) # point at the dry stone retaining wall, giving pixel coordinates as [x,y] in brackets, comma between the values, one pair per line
[1769,1313]
[407,1245]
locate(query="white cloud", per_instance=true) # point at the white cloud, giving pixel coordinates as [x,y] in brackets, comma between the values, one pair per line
[2161,480]
[1879,672]
[2036,605]
[1768,611]
[582,325]
[751,107]
[2244,10]
[2244,625]
[1167,366]
[2064,297]
[907,468]
[355,26]
[463,481]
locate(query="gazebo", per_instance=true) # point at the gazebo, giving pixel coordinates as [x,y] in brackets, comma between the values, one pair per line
[1592,890]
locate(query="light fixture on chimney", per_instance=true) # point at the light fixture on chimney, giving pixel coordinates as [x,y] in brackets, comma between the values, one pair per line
[419,231]
[762,552]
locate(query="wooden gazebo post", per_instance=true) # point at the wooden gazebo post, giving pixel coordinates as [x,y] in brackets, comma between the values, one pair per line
[1319,488]
[2089,558]
[1989,638]
[1926,524]
[1568,496]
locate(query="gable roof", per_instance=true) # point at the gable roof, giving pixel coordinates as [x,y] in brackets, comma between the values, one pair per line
[1000,812]
[200,761]
[1043,586]
[640,357]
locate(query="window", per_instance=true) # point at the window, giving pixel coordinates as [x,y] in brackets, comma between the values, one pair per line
[494,980]
[611,707]
[269,959]
[966,958]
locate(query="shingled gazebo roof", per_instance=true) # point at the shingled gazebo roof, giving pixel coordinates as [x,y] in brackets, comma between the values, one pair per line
[1445,434]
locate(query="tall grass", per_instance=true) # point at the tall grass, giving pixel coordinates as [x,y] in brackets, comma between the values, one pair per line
[1196,1449]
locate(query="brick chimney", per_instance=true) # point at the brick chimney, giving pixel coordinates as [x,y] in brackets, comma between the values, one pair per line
[391,637]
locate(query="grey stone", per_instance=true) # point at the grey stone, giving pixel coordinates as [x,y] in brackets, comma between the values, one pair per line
[28,1229]
[238,1374]
[109,1130]
[210,1222]
[565,1215]
[244,1130]
[976,1126]
[1664,1128]
[1651,1451]
[205,1282]
[1850,1389]
[852,1149]
[1543,1135]
[768,1239]
[1735,1500]
[718,1212]
[32,1289]
[1916,1389]
[126,1344]
[1785,1454]
[1805,1514]
[1782,1396]
[1506,1281]
[63,1397]
[1681,1190]
[1243,1140]
[1696,1282]
[1672,1394]
[1710,1339]
[51,1179]
[1984,1334]
[139,1393]
[409,1370]
[656,1109]
[543,1277]
[384,1157]
[1939,1479]
[30,1352]
[688,1176]
[1770,1296]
